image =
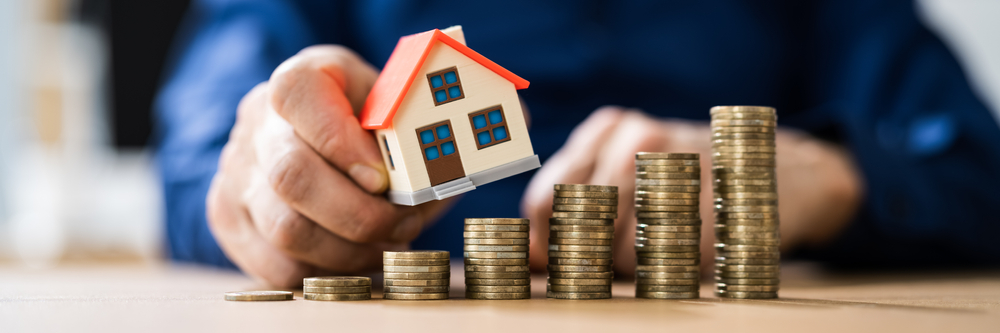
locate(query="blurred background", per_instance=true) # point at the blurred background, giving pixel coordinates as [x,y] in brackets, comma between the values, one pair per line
[77,81]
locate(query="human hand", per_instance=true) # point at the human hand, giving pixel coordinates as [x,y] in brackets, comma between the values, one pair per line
[298,191]
[818,187]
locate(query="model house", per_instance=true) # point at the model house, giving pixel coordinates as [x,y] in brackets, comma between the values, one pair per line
[446,118]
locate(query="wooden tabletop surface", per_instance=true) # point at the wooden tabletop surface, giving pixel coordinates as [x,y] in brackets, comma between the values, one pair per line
[170,298]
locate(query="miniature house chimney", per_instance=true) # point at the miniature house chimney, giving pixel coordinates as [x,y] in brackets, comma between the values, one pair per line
[455,32]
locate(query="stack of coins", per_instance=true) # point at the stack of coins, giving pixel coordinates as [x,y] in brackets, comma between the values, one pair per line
[668,229]
[496,259]
[416,275]
[746,202]
[337,288]
[581,233]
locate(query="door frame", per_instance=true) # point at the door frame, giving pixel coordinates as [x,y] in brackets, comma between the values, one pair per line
[447,167]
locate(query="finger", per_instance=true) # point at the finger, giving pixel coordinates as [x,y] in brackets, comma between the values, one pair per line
[572,164]
[318,91]
[305,240]
[305,181]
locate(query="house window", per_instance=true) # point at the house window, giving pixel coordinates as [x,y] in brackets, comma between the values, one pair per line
[436,140]
[388,153]
[445,86]
[489,127]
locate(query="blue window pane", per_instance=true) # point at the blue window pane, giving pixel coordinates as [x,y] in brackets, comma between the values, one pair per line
[479,121]
[450,77]
[454,92]
[426,137]
[392,165]
[448,148]
[495,117]
[431,152]
[500,133]
[484,137]
[436,81]
[440,96]
[443,132]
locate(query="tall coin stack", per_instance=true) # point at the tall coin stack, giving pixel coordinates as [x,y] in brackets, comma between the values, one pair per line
[416,275]
[337,288]
[581,233]
[668,232]
[496,259]
[746,202]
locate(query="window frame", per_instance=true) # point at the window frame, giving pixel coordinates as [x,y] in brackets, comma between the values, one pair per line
[489,126]
[437,142]
[388,152]
[445,85]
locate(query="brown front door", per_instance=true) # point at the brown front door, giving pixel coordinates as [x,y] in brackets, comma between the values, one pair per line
[437,143]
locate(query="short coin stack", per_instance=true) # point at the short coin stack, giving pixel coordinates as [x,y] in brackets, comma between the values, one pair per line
[581,234]
[496,259]
[416,275]
[668,229]
[746,202]
[337,288]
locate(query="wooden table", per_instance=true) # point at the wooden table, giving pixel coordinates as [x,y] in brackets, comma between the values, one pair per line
[155,298]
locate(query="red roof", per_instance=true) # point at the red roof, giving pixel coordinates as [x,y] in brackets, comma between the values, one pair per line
[401,69]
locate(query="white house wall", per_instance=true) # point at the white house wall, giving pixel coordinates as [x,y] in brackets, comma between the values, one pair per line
[397,170]
[483,88]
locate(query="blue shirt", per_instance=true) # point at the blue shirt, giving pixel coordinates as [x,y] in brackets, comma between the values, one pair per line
[865,74]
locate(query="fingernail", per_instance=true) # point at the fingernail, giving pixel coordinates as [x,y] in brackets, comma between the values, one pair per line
[371,179]
[408,229]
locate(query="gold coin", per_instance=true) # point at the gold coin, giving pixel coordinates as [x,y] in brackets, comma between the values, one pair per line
[337,297]
[742,122]
[585,215]
[665,289]
[667,175]
[648,208]
[496,241]
[748,195]
[579,241]
[580,255]
[718,176]
[579,282]
[337,290]
[415,254]
[745,261]
[668,282]
[496,255]
[498,289]
[337,281]
[585,194]
[495,248]
[584,208]
[669,222]
[647,228]
[415,297]
[497,296]
[747,281]
[666,248]
[743,129]
[666,295]
[666,275]
[725,236]
[497,282]
[751,241]
[562,295]
[489,275]
[666,202]
[585,188]
[668,235]
[746,209]
[745,228]
[666,156]
[667,262]
[579,248]
[667,168]
[746,202]
[666,162]
[667,189]
[745,115]
[745,248]
[769,149]
[416,269]
[666,195]
[415,262]
[743,188]
[773,223]
[668,215]
[585,201]
[259,296]
[416,283]
[741,143]
[750,288]
[744,162]
[723,109]
[496,262]
[583,228]
[747,215]
[584,262]
[495,269]
[669,255]
[740,156]
[424,289]
[496,227]
[416,276]
[751,182]
[598,222]
[579,289]
[749,254]
[578,268]
[748,268]
[665,241]
[491,234]
[582,234]
[501,221]
[667,182]
[581,275]
[747,275]
[746,295]
[724,170]
[743,136]
[666,269]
